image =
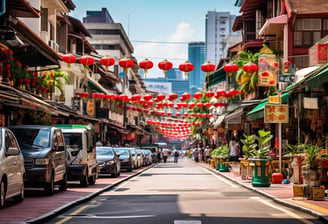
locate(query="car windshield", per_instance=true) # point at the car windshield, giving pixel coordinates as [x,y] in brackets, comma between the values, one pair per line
[73,140]
[34,137]
[104,151]
[122,151]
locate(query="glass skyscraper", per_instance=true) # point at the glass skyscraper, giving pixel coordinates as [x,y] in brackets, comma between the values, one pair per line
[196,55]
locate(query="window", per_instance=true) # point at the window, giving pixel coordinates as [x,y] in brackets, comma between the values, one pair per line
[309,31]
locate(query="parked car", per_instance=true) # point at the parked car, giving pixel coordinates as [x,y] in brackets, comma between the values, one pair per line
[45,156]
[141,157]
[149,157]
[125,158]
[12,172]
[108,161]
[81,142]
[136,161]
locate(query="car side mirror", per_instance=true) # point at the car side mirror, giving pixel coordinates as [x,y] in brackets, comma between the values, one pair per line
[12,151]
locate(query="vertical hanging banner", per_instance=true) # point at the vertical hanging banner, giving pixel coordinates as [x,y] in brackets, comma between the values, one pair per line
[321,55]
[91,107]
[268,67]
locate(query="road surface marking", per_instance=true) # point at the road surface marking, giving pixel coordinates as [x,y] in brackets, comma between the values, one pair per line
[72,214]
[187,222]
[292,214]
[115,217]
[222,179]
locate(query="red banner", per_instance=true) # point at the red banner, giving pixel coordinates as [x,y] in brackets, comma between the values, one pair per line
[321,53]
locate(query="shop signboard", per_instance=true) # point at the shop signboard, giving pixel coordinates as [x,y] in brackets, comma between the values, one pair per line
[274,99]
[268,67]
[91,107]
[276,113]
[321,53]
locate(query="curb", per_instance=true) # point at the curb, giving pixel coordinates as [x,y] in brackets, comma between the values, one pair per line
[56,212]
[311,212]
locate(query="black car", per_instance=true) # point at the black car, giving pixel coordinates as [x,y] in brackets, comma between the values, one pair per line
[125,158]
[45,156]
[108,161]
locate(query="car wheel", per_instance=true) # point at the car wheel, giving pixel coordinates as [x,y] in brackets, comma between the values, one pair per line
[20,197]
[92,179]
[63,183]
[84,180]
[2,194]
[115,173]
[50,187]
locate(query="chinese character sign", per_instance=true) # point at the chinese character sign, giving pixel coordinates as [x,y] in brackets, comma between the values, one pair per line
[274,99]
[268,67]
[321,53]
[91,107]
[276,113]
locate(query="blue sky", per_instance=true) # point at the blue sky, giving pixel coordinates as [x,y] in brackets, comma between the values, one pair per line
[149,22]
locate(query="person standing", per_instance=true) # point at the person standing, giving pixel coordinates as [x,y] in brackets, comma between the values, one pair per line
[165,153]
[207,153]
[195,154]
[234,149]
[176,156]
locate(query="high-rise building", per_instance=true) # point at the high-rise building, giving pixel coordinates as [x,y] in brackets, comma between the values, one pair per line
[196,55]
[218,28]
[102,16]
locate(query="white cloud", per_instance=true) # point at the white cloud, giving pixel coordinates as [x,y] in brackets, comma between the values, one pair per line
[169,47]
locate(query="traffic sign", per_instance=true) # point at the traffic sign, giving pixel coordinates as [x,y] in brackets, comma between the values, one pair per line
[286,78]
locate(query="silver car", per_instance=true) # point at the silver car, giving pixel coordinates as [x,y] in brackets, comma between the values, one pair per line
[12,172]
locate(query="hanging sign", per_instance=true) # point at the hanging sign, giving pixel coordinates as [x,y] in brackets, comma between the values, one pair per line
[274,99]
[268,67]
[91,107]
[276,113]
[321,53]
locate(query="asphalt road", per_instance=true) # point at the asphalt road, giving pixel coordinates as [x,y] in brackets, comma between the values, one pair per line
[181,193]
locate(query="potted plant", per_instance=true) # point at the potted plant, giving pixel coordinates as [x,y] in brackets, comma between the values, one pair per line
[261,159]
[224,153]
[215,158]
[249,145]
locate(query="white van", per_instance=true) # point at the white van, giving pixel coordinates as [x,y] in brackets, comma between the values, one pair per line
[81,143]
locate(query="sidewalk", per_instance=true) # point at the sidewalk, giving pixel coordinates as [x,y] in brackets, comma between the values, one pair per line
[281,193]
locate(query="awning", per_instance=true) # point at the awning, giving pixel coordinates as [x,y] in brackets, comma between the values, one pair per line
[37,53]
[258,111]
[96,86]
[317,80]
[216,77]
[218,121]
[273,25]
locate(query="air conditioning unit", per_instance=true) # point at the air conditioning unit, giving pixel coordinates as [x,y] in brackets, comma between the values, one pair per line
[54,45]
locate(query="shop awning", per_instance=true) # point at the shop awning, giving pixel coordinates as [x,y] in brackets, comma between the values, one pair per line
[218,121]
[317,80]
[96,86]
[273,25]
[258,111]
[216,77]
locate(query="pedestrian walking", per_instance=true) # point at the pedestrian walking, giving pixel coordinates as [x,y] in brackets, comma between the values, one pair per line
[176,156]
[165,153]
[207,153]
[196,154]
[234,149]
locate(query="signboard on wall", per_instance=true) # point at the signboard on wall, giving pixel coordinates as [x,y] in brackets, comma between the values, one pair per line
[268,67]
[276,113]
[91,107]
[321,55]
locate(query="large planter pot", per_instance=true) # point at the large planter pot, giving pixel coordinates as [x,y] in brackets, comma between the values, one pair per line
[261,177]
[224,166]
[246,171]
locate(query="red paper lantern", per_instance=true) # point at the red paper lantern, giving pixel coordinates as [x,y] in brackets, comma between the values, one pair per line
[177,114]
[145,65]
[185,96]
[86,61]
[230,68]
[192,105]
[169,113]
[204,115]
[135,97]
[123,97]
[207,67]
[250,67]
[69,59]
[171,105]
[186,67]
[198,95]
[126,64]
[208,105]
[173,96]
[165,65]
[198,114]
[148,97]
[107,61]
[200,105]
[192,114]
[209,94]
[160,97]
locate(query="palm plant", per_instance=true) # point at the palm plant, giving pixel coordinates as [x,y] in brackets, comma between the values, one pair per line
[56,79]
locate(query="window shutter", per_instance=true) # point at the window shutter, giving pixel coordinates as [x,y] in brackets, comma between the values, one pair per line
[44,19]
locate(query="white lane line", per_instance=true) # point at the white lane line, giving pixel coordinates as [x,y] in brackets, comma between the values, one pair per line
[117,217]
[187,222]
[292,214]
[222,179]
